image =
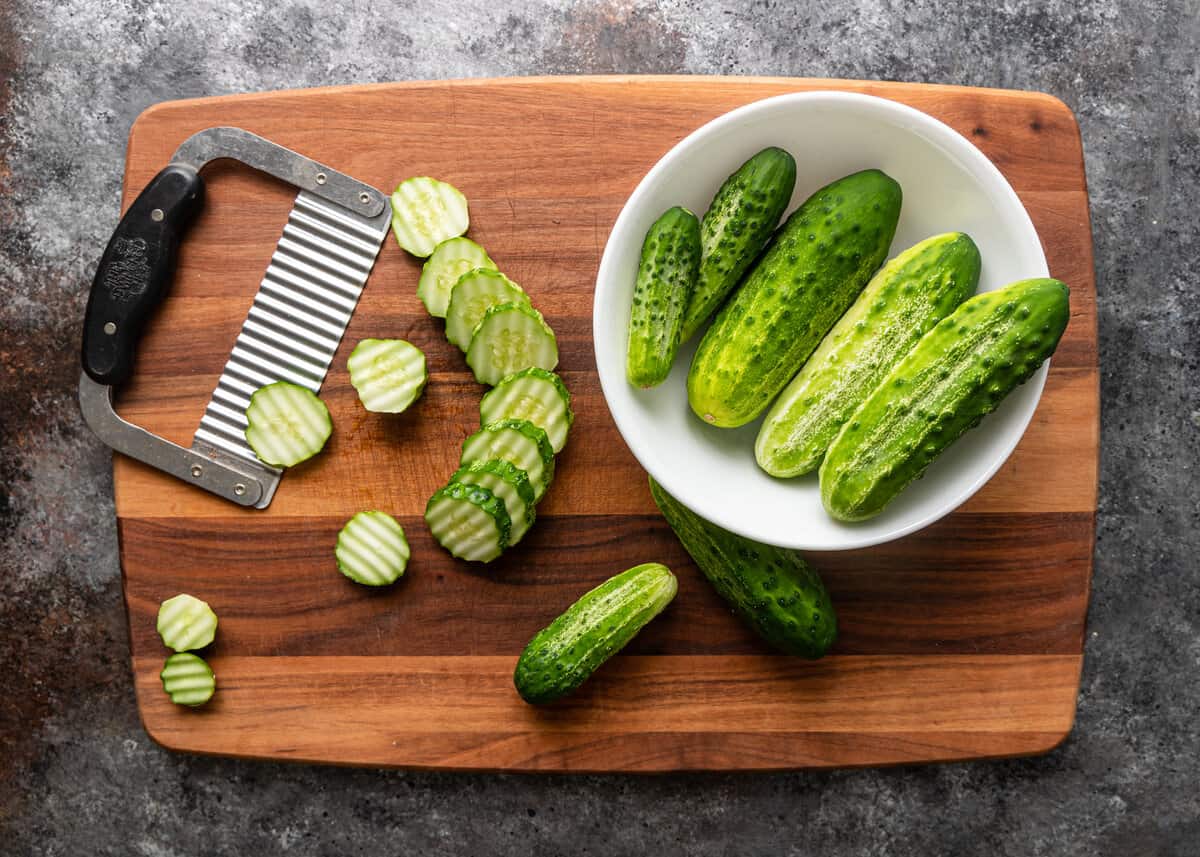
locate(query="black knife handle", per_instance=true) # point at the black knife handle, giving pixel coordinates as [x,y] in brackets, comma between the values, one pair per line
[136,270]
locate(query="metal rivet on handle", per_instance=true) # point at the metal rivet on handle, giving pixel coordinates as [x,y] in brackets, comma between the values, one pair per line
[364,197]
[197,470]
[322,178]
[156,215]
[110,328]
[239,489]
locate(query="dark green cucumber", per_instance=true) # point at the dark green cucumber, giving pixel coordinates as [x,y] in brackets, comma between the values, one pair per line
[773,590]
[908,296]
[955,375]
[665,278]
[817,264]
[563,655]
[736,227]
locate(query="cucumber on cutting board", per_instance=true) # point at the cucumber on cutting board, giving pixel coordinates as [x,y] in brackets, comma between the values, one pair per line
[510,337]
[185,622]
[563,655]
[508,482]
[188,679]
[908,295]
[426,212]
[388,374]
[533,394]
[470,298]
[450,260]
[372,549]
[665,278]
[286,424]
[816,266]
[518,442]
[772,590]
[956,374]
[469,521]
[735,229]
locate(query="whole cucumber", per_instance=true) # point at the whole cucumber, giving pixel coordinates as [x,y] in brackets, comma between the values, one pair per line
[908,296]
[563,655]
[665,278]
[736,227]
[773,590]
[816,265]
[955,375]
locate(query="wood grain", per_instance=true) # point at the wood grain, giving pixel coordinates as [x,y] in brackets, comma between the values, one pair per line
[962,641]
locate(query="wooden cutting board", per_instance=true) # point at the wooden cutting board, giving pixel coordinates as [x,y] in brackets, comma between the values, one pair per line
[962,641]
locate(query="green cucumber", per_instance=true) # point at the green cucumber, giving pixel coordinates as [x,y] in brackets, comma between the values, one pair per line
[510,337]
[470,298]
[185,622]
[955,375]
[372,549]
[533,394]
[426,212]
[388,374]
[450,260]
[286,424]
[188,679]
[816,266]
[908,296]
[519,442]
[564,654]
[508,482]
[735,229]
[665,278]
[772,590]
[469,521]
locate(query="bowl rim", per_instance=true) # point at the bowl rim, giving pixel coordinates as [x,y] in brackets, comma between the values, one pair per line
[980,167]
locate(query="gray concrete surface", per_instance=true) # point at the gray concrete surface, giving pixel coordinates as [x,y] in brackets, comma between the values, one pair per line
[78,775]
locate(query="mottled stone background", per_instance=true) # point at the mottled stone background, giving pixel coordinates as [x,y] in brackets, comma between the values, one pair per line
[78,775]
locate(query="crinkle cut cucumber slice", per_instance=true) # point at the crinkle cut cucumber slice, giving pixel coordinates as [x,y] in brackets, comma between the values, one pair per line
[371,549]
[185,622]
[508,482]
[469,521]
[519,442]
[450,260]
[470,298]
[509,338]
[188,679]
[389,374]
[286,424]
[426,212]
[533,394]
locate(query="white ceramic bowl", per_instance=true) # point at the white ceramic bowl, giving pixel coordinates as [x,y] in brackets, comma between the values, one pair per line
[948,185]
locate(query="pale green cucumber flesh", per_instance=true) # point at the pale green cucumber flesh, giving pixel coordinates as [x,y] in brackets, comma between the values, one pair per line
[473,293]
[815,267]
[372,549]
[388,374]
[564,655]
[510,337]
[735,229]
[469,521]
[956,374]
[188,679]
[665,278]
[286,424]
[510,484]
[533,394]
[185,622]
[905,298]
[519,442]
[772,590]
[426,212]
[450,260]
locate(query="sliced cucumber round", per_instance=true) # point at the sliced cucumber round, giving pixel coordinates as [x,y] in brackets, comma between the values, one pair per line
[389,374]
[533,394]
[469,521]
[185,622]
[510,337]
[518,442]
[286,424]
[450,260]
[188,679]
[470,298]
[426,212]
[371,549]
[508,482]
